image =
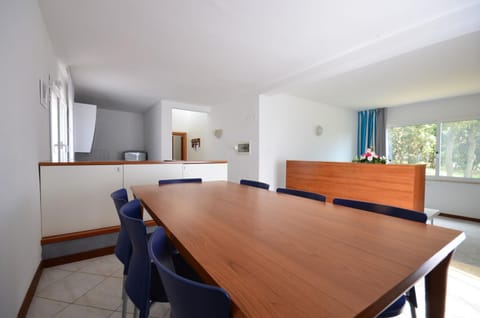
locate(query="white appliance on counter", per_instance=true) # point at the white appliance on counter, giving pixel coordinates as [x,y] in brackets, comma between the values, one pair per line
[133,155]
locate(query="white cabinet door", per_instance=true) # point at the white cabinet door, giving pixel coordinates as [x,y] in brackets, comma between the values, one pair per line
[77,198]
[136,174]
[206,171]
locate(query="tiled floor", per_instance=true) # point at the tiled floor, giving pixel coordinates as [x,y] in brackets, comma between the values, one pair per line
[92,288]
[463,290]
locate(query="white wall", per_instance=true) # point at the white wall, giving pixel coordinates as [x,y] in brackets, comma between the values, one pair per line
[458,198]
[238,118]
[159,127]
[195,124]
[287,132]
[26,55]
[153,132]
[116,132]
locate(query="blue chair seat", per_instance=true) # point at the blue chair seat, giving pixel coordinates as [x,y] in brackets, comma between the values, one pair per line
[184,180]
[394,309]
[303,194]
[257,184]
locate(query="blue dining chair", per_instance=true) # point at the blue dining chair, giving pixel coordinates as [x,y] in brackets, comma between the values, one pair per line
[143,285]
[256,184]
[184,180]
[188,299]
[303,194]
[396,308]
[123,248]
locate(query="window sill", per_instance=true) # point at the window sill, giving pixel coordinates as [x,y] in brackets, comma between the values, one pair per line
[453,179]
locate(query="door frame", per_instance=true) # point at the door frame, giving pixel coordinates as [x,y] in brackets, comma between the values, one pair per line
[184,143]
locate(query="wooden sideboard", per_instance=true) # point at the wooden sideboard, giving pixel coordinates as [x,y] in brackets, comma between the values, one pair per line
[396,185]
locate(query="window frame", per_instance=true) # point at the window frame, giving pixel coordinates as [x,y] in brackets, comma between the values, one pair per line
[437,176]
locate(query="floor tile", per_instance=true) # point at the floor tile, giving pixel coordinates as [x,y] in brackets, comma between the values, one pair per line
[49,276]
[129,307]
[106,295]
[105,265]
[71,288]
[75,266]
[160,310]
[117,314]
[42,308]
[157,310]
[118,272]
[78,311]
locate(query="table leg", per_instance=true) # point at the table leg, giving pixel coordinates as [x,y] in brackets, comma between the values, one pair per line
[436,289]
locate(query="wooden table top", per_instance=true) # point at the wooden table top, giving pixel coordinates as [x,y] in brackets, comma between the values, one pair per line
[279,255]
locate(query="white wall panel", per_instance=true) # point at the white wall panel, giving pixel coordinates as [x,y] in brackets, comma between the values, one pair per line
[77,198]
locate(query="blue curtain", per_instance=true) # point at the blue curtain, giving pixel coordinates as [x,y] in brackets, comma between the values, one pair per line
[367,125]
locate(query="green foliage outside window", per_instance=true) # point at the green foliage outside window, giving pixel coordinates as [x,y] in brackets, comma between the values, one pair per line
[460,149]
[458,144]
[414,144]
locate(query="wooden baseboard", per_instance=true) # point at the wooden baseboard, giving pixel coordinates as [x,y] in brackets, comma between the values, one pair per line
[77,257]
[460,217]
[83,234]
[30,292]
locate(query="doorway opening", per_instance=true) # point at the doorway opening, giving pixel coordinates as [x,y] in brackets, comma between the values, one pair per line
[179,145]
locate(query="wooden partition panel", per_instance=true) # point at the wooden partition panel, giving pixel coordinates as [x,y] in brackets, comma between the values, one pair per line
[396,185]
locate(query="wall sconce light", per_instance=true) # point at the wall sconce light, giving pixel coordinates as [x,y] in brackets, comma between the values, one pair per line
[218,133]
[318,130]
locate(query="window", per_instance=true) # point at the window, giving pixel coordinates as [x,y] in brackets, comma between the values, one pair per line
[449,149]
[59,125]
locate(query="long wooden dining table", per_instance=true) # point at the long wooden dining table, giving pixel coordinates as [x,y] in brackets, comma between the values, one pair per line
[279,255]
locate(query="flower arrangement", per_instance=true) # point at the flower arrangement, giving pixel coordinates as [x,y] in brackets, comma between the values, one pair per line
[371,157]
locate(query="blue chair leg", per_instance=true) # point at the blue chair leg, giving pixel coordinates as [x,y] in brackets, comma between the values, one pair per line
[124,298]
[412,301]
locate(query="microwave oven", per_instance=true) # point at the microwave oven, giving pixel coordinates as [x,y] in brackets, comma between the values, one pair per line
[134,155]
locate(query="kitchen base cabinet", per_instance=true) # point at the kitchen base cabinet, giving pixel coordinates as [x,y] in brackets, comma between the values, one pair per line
[208,172]
[75,196]
[149,174]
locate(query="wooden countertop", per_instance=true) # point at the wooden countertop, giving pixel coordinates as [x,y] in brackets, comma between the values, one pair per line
[124,162]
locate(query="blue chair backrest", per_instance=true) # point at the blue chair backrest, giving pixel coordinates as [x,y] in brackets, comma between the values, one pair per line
[303,194]
[188,299]
[384,209]
[141,285]
[123,248]
[184,180]
[257,184]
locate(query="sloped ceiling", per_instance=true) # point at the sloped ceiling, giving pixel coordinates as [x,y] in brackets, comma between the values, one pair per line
[130,54]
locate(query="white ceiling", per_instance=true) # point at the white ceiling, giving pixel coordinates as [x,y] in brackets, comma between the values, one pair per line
[130,54]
